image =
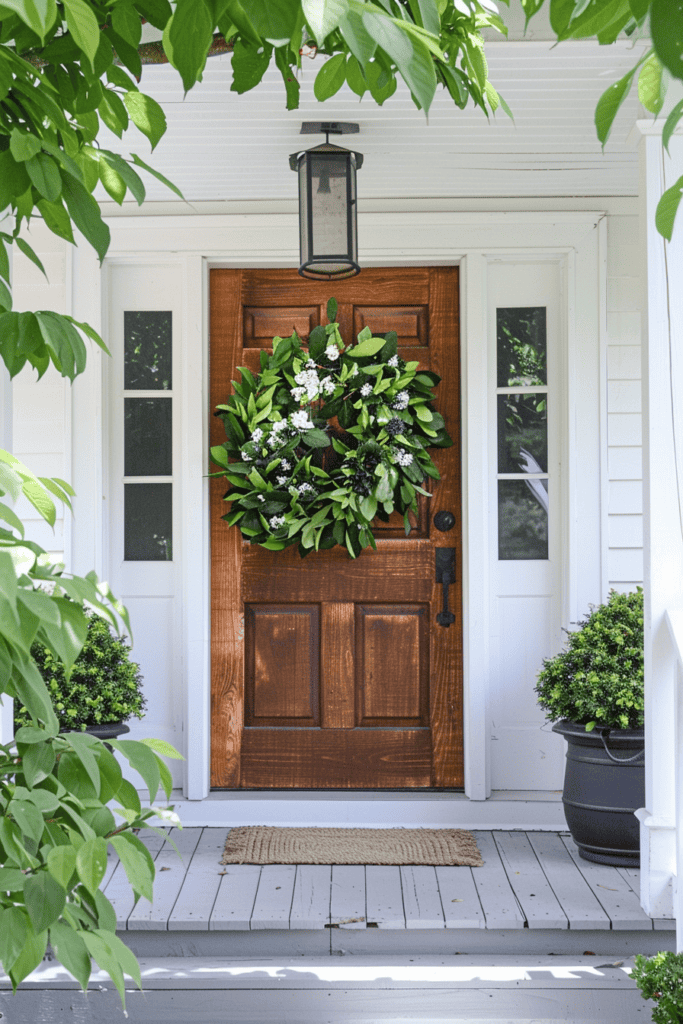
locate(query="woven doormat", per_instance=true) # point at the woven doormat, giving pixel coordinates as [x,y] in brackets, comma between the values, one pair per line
[265,844]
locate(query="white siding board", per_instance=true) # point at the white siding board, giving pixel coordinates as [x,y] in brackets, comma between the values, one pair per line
[623,361]
[626,531]
[624,396]
[623,328]
[623,294]
[311,900]
[625,565]
[274,897]
[459,899]
[347,902]
[421,899]
[235,900]
[625,497]
[624,429]
[622,246]
[625,463]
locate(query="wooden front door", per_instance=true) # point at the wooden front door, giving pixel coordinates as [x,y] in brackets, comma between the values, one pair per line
[331,672]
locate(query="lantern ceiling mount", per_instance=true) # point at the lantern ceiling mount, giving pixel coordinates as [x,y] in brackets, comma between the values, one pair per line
[327,203]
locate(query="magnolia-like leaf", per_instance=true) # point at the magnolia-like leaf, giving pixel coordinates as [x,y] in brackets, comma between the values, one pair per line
[147,115]
[137,863]
[609,103]
[190,36]
[651,88]
[142,760]
[13,930]
[32,953]
[323,16]
[412,57]
[169,184]
[666,29]
[86,214]
[71,951]
[45,899]
[83,27]
[667,207]
[91,863]
[61,863]
[671,124]
[163,748]
[39,15]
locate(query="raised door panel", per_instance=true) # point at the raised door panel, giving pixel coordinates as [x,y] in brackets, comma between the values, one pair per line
[282,665]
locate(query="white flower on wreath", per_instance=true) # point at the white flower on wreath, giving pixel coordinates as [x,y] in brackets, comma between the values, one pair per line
[401,401]
[246,457]
[354,371]
[298,394]
[276,522]
[366,389]
[328,385]
[300,420]
[260,497]
[282,480]
[332,353]
[308,380]
[304,488]
[393,362]
[257,435]
[401,457]
[310,364]
[285,465]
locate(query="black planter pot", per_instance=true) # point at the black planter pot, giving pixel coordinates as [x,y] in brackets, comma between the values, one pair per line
[600,794]
[108,730]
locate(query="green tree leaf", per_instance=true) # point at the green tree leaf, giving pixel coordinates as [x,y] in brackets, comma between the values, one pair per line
[112,182]
[157,12]
[61,863]
[651,88]
[137,863]
[37,762]
[39,15]
[32,953]
[85,214]
[169,184]
[56,218]
[71,951]
[23,145]
[91,863]
[82,24]
[667,207]
[147,115]
[609,104]
[190,35]
[671,123]
[323,16]
[142,760]
[28,818]
[26,249]
[249,65]
[163,748]
[359,41]
[666,29]
[330,78]
[126,23]
[44,175]
[13,930]
[274,20]
[288,77]
[45,899]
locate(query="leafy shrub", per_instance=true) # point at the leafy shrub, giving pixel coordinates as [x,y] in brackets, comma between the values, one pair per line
[661,978]
[104,685]
[598,678]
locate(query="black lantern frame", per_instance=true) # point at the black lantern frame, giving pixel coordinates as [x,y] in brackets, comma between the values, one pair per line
[328,228]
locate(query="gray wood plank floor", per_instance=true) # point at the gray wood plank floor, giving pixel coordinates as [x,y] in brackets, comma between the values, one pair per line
[529,880]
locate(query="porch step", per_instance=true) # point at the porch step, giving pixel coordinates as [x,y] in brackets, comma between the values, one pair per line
[313,989]
[534,895]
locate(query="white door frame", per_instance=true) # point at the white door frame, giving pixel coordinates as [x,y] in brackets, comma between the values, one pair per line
[268,237]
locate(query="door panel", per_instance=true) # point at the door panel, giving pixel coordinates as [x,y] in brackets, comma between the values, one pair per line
[331,672]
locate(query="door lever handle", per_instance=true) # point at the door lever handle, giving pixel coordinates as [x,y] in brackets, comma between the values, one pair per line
[444,559]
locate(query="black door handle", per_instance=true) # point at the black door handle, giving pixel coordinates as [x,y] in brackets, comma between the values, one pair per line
[444,559]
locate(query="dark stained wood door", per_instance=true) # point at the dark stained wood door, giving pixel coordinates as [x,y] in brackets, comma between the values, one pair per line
[331,672]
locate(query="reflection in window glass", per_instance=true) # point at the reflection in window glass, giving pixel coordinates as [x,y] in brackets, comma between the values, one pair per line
[147,523]
[523,433]
[147,350]
[522,519]
[521,335]
[147,437]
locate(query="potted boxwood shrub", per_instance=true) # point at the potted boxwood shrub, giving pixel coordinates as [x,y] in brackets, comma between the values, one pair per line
[103,691]
[661,978]
[593,690]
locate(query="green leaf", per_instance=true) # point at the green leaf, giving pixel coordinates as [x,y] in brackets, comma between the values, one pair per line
[23,146]
[157,12]
[367,347]
[249,65]
[126,23]
[359,41]
[163,748]
[80,742]
[83,27]
[23,245]
[13,931]
[67,642]
[28,818]
[355,77]
[609,104]
[323,16]
[112,182]
[142,760]
[651,89]
[61,863]
[71,951]
[11,880]
[45,899]
[316,438]
[332,308]
[91,863]
[667,207]
[157,174]
[288,77]
[666,29]
[39,15]
[410,54]
[57,219]
[274,20]
[671,124]
[426,13]
[37,762]
[137,862]
[147,115]
[330,78]
[44,175]
[190,35]
[85,214]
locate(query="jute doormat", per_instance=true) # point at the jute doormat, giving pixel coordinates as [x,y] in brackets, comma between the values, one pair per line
[266,844]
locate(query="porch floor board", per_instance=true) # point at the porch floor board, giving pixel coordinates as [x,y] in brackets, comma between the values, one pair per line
[530,882]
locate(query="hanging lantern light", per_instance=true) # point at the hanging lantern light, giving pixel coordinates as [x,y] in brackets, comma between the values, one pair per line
[327,204]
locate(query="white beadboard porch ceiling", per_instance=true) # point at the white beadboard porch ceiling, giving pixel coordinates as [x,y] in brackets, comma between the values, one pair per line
[222,146]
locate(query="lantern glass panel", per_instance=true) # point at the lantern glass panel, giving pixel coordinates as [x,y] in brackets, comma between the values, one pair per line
[329,201]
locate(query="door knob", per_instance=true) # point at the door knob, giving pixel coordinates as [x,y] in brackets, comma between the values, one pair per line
[444,521]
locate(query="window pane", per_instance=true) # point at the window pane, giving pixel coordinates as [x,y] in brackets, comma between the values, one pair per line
[521,338]
[522,434]
[147,437]
[147,349]
[522,519]
[147,522]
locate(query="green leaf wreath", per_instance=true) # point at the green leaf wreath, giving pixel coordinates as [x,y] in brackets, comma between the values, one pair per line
[322,441]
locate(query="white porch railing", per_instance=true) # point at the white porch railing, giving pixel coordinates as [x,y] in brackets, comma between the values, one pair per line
[674,620]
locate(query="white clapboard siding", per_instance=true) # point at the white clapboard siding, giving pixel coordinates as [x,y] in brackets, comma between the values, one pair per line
[273,903]
[234,903]
[575,896]
[459,899]
[625,565]
[625,497]
[614,894]
[626,531]
[171,868]
[625,463]
[624,396]
[624,428]
[384,896]
[529,884]
[347,902]
[421,898]
[192,909]
[498,902]
[311,900]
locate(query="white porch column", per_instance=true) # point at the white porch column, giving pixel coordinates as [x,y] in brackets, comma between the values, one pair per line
[662,374]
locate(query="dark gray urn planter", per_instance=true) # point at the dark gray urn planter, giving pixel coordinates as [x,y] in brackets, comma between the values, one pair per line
[601,792]
[108,730]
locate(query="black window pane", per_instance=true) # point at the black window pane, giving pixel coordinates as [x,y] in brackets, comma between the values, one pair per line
[523,433]
[147,350]
[147,516]
[521,335]
[147,437]
[522,519]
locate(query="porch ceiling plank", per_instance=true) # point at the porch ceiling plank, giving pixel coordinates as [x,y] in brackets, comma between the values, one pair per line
[421,899]
[570,887]
[235,900]
[459,899]
[384,897]
[311,900]
[347,899]
[616,896]
[118,890]
[170,876]
[273,903]
[493,888]
[192,910]
[529,884]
